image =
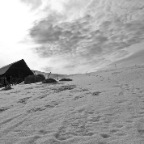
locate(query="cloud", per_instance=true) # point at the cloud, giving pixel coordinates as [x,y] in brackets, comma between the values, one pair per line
[34,4]
[89,34]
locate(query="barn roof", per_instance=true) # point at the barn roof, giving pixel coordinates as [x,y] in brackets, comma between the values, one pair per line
[5,69]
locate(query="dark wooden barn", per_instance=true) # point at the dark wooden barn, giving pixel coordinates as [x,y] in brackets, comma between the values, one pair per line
[17,71]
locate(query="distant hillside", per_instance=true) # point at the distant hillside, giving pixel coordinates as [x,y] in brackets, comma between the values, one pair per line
[52,75]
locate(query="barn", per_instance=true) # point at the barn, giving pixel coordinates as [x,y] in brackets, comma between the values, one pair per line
[17,71]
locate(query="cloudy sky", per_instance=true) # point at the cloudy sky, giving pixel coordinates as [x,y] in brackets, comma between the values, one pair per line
[71,36]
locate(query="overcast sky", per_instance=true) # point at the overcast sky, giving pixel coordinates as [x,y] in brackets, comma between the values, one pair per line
[70,36]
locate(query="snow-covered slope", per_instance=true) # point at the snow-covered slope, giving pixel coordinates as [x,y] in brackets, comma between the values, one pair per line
[105,107]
